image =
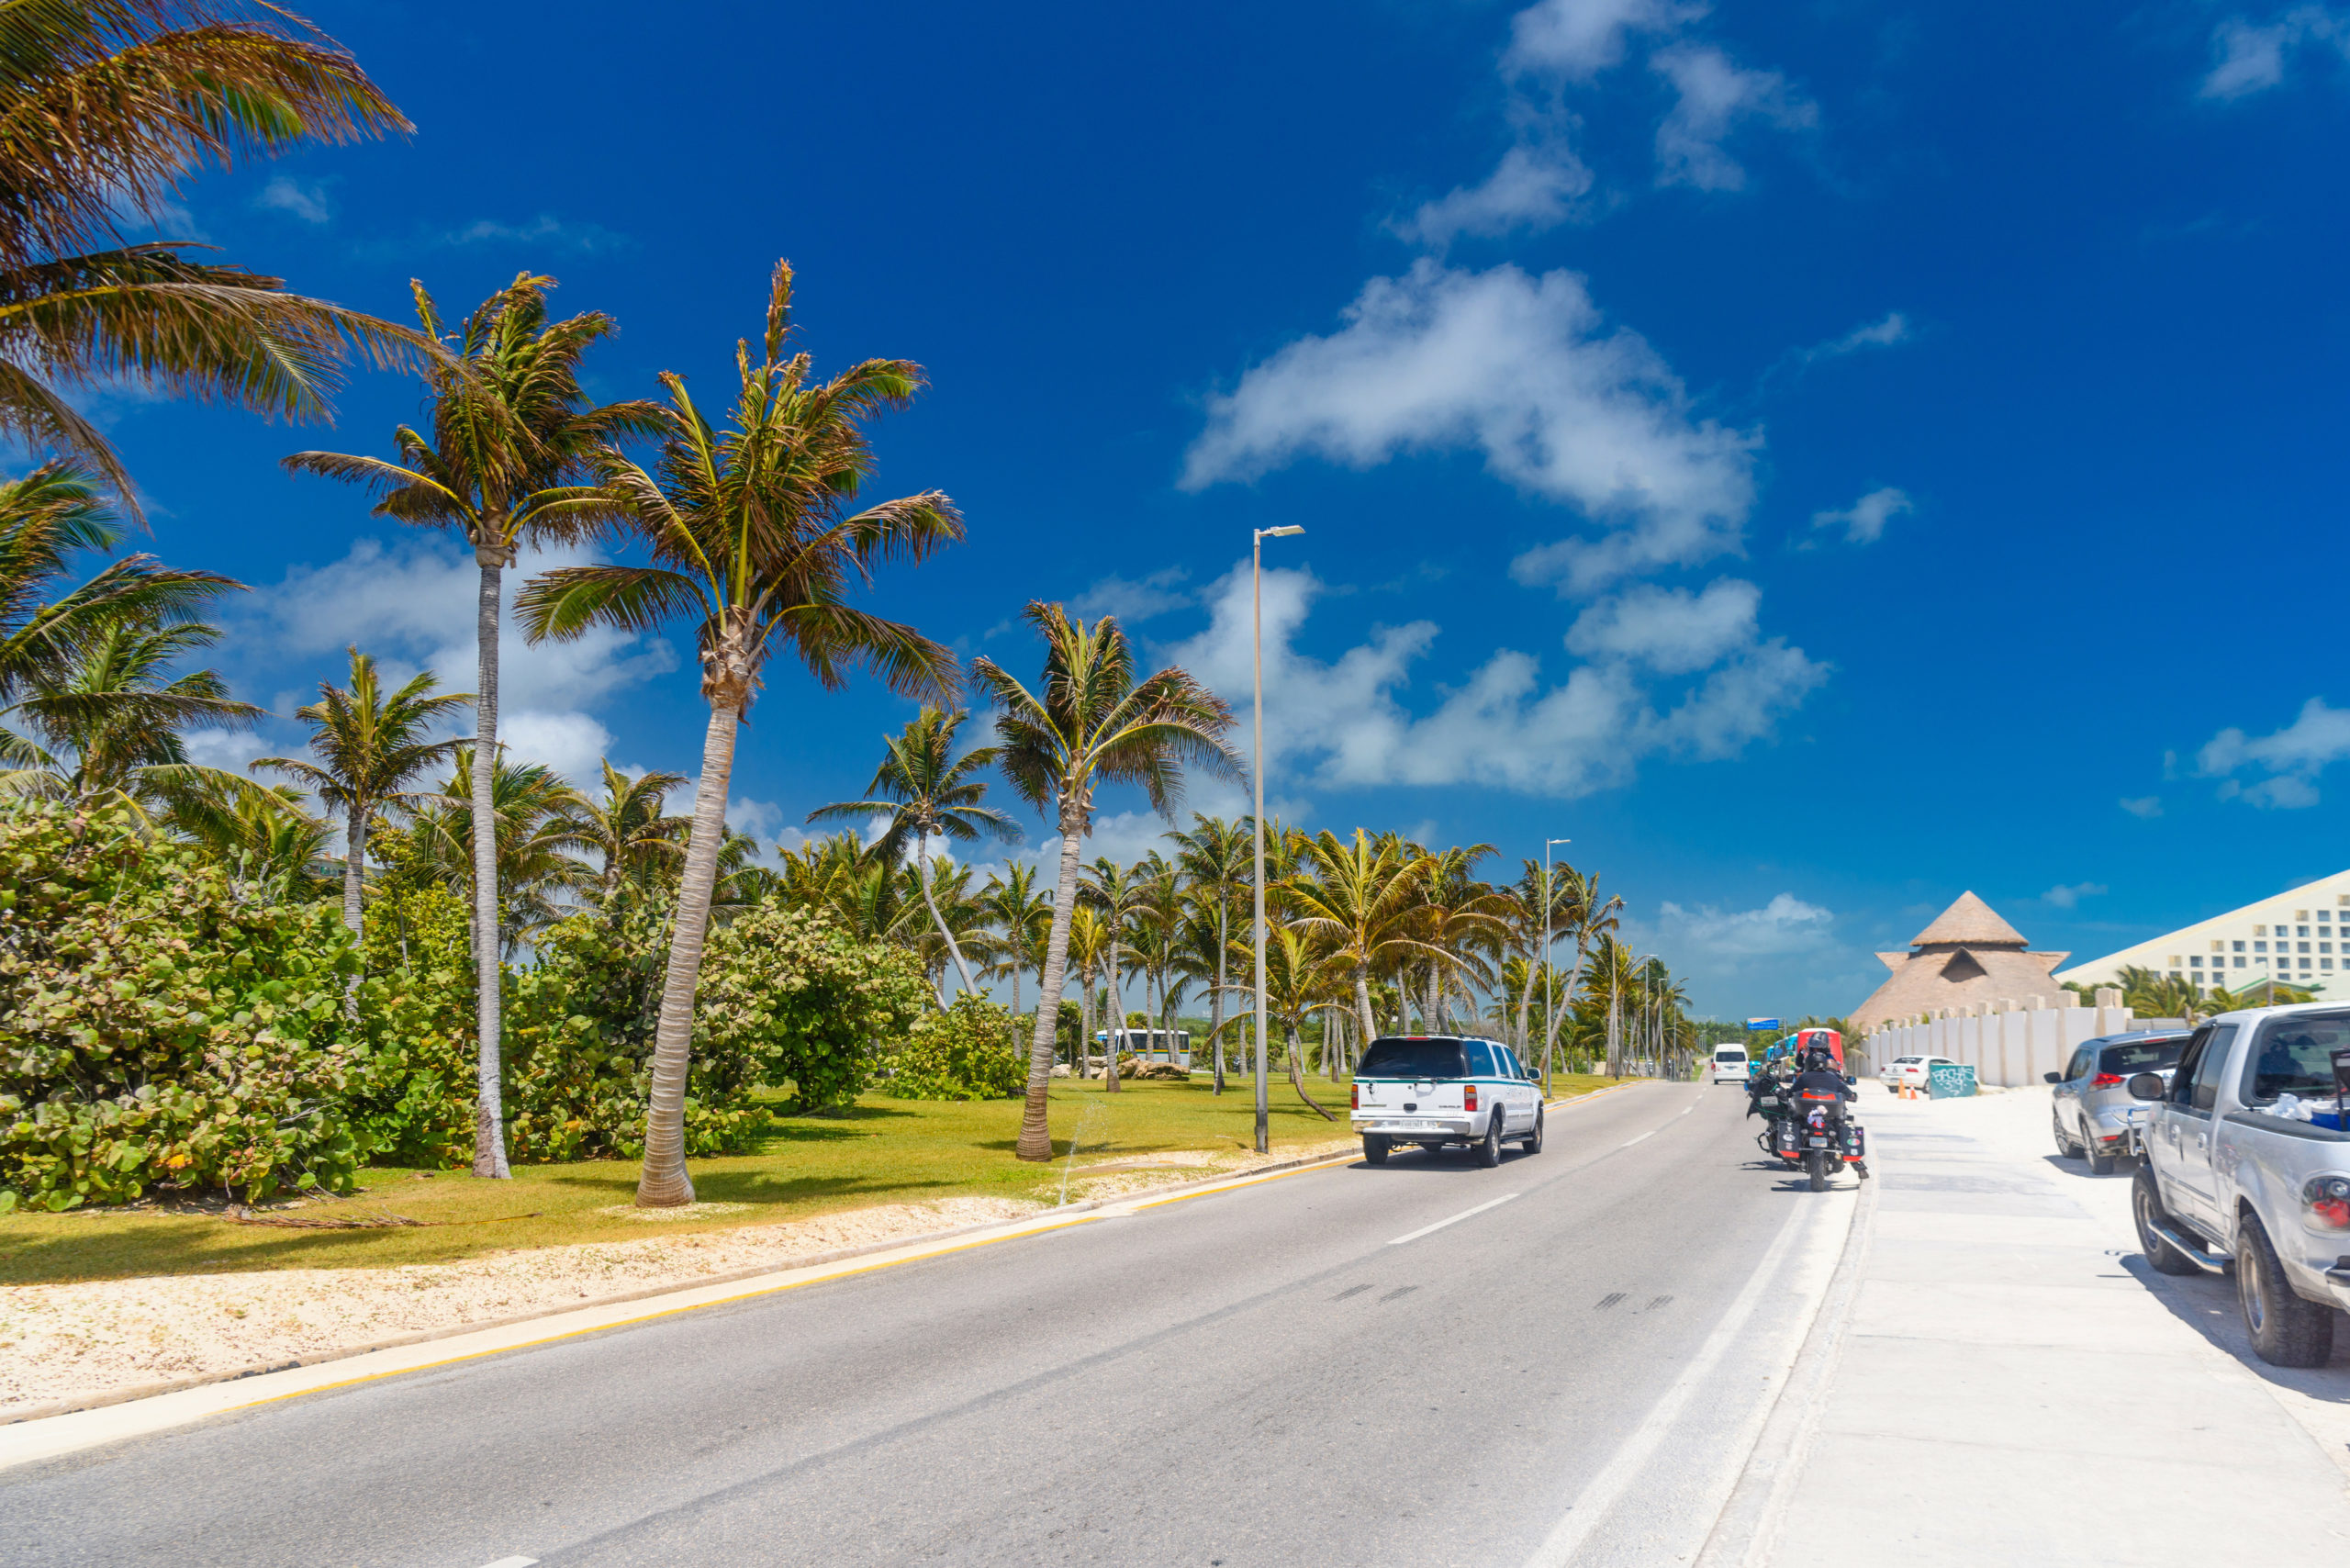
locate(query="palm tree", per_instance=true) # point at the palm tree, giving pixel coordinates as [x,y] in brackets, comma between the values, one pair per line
[1300,979]
[1093,723]
[512,433]
[1363,900]
[753,537]
[627,829]
[1217,860]
[1019,913]
[533,815]
[108,725]
[111,107]
[264,837]
[1118,892]
[369,749]
[1461,919]
[927,791]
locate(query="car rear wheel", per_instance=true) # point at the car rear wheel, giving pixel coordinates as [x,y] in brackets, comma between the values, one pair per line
[2100,1162]
[1375,1148]
[2146,1208]
[1489,1148]
[2286,1331]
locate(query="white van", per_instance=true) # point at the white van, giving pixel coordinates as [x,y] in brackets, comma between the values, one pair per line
[1729,1064]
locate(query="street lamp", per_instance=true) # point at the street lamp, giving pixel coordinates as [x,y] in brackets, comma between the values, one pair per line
[1549,997]
[1257,638]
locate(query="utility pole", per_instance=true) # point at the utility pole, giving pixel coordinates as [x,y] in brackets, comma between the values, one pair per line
[1257,638]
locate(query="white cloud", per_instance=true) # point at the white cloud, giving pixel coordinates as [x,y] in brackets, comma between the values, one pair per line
[544,229]
[1891,329]
[2249,56]
[2292,758]
[1715,93]
[1671,630]
[1343,723]
[1535,187]
[1863,521]
[2070,897]
[306,201]
[1714,938]
[2143,807]
[1133,602]
[1580,39]
[1523,369]
[573,744]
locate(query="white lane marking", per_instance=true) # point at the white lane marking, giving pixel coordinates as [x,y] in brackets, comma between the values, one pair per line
[1692,1105]
[1456,1219]
[1629,1142]
[513,1562]
[1608,1488]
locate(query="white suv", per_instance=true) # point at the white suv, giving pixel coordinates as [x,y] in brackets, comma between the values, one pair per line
[1434,1089]
[1730,1065]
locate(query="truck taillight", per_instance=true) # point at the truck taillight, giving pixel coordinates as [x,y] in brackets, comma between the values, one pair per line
[2326,1201]
[1354,1094]
[1469,1098]
[2105,1080]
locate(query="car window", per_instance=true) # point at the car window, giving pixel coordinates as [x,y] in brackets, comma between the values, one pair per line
[2206,1092]
[1732,1055]
[2294,1056]
[1413,1059]
[1509,1062]
[2079,1066]
[2143,1056]
[1480,1059]
[2182,1084]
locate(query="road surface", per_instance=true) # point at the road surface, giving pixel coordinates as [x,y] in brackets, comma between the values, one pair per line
[1562,1360]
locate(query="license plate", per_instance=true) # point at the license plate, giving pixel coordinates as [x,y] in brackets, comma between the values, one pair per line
[1819,1143]
[1408,1127]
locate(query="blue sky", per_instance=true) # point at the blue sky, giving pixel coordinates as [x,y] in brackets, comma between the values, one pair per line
[1820,457]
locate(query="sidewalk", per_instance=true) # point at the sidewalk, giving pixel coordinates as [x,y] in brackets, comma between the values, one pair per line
[2013,1384]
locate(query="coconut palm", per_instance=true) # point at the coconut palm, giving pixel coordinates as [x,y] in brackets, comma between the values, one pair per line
[1215,858]
[108,724]
[1590,920]
[1092,723]
[534,813]
[754,537]
[511,435]
[1302,976]
[928,793]
[369,748]
[111,107]
[1119,894]
[627,830]
[1021,914]
[264,837]
[1363,900]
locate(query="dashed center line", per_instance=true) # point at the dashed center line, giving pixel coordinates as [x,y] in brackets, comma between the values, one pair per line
[1456,1219]
[513,1562]
[1629,1142]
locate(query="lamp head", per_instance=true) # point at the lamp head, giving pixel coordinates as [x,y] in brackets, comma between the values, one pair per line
[1283,531]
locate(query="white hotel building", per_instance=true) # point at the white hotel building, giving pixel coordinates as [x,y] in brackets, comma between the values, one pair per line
[2297,936]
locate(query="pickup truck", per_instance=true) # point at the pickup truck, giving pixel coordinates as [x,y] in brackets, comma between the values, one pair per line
[2230,1180]
[1434,1089]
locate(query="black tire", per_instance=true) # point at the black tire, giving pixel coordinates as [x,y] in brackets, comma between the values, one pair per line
[2146,1208]
[1815,1165]
[1534,1138]
[2286,1331]
[1375,1147]
[2064,1146]
[1489,1148]
[2100,1162]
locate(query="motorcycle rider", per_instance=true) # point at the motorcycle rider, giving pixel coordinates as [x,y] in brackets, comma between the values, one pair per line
[1819,1076]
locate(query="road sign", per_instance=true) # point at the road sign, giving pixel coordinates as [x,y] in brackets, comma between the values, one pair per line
[1761,1023]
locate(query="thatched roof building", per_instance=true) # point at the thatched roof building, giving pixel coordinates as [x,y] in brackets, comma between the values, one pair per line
[1968,955]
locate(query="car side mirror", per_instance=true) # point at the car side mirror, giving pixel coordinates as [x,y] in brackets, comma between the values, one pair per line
[2052,1077]
[2145,1086]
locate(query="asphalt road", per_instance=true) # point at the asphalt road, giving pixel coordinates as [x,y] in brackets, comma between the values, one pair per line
[1295,1373]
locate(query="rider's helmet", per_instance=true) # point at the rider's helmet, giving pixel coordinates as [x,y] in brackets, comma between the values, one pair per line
[1819,1059]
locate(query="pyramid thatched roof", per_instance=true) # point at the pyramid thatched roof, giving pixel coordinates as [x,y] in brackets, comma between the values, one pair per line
[1967,955]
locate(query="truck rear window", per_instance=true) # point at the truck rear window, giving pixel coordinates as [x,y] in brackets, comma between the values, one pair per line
[2143,1056]
[2295,1055]
[1413,1059]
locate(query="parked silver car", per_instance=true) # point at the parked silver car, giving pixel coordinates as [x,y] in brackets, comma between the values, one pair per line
[2091,1105]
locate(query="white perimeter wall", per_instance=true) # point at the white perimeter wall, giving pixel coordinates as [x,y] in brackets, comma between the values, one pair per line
[2006,1047]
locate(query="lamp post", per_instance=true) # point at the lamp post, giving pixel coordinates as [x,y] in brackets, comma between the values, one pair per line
[1257,640]
[1550,996]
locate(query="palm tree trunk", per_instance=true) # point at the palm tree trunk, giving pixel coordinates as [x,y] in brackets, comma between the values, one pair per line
[1297,1070]
[1215,1022]
[665,1184]
[1116,1009]
[490,1111]
[354,866]
[1035,1139]
[1550,1025]
[922,874]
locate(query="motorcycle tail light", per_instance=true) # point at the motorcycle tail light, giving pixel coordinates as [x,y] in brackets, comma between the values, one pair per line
[1469,1098]
[2326,1202]
[2105,1080]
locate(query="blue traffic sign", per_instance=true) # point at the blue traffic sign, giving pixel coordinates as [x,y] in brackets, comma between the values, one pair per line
[1761,1023]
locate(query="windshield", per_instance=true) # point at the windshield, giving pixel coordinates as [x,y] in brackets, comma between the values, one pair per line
[1413,1059]
[1729,1056]
[2144,1056]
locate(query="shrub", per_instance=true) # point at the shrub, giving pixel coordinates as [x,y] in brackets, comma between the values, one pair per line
[414,1104]
[156,1029]
[964,1053]
[790,997]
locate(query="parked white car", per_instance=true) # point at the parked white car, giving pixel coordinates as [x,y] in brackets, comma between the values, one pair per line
[1730,1064]
[1434,1089]
[1911,1072]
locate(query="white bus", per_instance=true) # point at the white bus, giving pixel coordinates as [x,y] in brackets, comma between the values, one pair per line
[1150,1044]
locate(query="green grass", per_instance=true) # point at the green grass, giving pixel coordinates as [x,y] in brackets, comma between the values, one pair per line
[880,1151]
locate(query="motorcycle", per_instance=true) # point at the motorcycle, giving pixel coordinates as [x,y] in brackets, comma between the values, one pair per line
[1809,1128]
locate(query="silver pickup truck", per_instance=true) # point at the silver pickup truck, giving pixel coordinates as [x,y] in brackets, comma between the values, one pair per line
[2230,1179]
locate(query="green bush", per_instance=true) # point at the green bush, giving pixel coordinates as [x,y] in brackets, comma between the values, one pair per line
[156,1029]
[414,1104]
[964,1053]
[788,997]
